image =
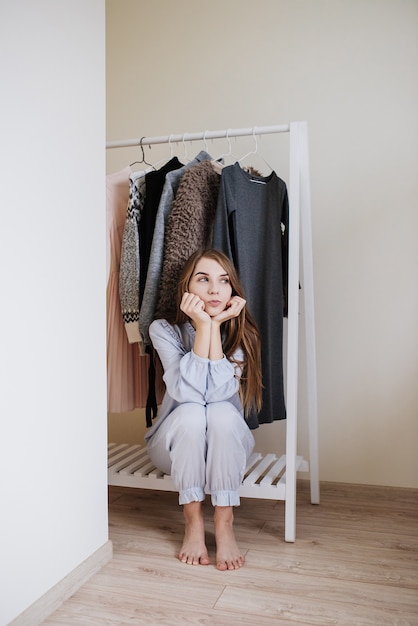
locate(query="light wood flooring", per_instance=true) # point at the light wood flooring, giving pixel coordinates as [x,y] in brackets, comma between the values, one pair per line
[354,562]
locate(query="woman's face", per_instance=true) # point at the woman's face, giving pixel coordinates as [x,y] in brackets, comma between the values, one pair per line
[211,283]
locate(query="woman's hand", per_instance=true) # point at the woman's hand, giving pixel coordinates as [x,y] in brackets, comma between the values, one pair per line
[233,309]
[193,307]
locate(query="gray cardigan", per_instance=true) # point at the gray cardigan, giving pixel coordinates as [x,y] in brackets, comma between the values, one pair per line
[155,264]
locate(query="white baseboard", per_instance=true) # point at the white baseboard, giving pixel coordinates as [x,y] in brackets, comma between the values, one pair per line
[52,599]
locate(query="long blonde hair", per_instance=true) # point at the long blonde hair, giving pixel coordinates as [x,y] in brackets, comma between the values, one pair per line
[238,332]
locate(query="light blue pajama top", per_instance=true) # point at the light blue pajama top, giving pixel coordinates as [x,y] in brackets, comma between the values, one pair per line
[188,377]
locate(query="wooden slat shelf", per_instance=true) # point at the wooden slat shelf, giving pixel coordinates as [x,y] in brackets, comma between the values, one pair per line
[265,476]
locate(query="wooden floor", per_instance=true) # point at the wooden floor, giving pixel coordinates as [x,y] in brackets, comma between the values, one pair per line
[355,562]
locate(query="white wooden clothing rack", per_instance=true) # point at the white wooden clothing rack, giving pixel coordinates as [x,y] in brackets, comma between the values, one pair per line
[266,477]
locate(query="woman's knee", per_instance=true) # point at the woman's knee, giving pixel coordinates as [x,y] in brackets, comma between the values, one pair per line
[224,417]
[188,421]
[227,425]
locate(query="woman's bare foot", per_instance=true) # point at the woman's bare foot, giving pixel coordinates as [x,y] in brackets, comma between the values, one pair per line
[228,555]
[193,550]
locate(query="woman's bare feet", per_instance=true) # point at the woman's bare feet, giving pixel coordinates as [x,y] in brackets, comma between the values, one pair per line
[228,555]
[193,550]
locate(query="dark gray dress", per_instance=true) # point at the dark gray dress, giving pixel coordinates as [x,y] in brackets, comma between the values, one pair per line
[251,228]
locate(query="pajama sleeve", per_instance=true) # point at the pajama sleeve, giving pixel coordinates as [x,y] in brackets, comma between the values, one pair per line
[189,377]
[185,374]
[223,380]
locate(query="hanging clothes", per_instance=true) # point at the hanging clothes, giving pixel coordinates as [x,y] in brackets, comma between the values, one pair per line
[154,184]
[127,370]
[130,262]
[150,296]
[189,227]
[248,228]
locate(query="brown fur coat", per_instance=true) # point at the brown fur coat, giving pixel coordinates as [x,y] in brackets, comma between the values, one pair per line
[189,227]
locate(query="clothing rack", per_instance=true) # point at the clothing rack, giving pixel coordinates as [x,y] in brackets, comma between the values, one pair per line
[266,477]
[201,136]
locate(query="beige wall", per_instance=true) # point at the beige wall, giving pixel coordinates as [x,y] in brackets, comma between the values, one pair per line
[349,69]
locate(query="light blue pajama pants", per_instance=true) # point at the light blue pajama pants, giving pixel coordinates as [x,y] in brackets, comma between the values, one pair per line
[203,446]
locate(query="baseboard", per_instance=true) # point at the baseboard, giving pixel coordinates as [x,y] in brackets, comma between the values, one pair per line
[52,599]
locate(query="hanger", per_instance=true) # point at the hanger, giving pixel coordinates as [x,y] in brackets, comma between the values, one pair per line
[255,151]
[205,141]
[164,160]
[185,156]
[143,156]
[215,164]
[229,153]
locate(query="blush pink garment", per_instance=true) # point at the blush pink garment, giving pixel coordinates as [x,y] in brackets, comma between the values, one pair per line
[127,369]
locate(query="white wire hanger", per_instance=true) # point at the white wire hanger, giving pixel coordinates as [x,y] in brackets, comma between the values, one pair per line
[255,151]
[225,155]
[185,154]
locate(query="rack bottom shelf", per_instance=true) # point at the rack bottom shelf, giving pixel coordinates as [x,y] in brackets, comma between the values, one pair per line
[265,476]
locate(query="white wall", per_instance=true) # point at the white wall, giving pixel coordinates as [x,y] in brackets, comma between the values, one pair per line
[349,69]
[52,264]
